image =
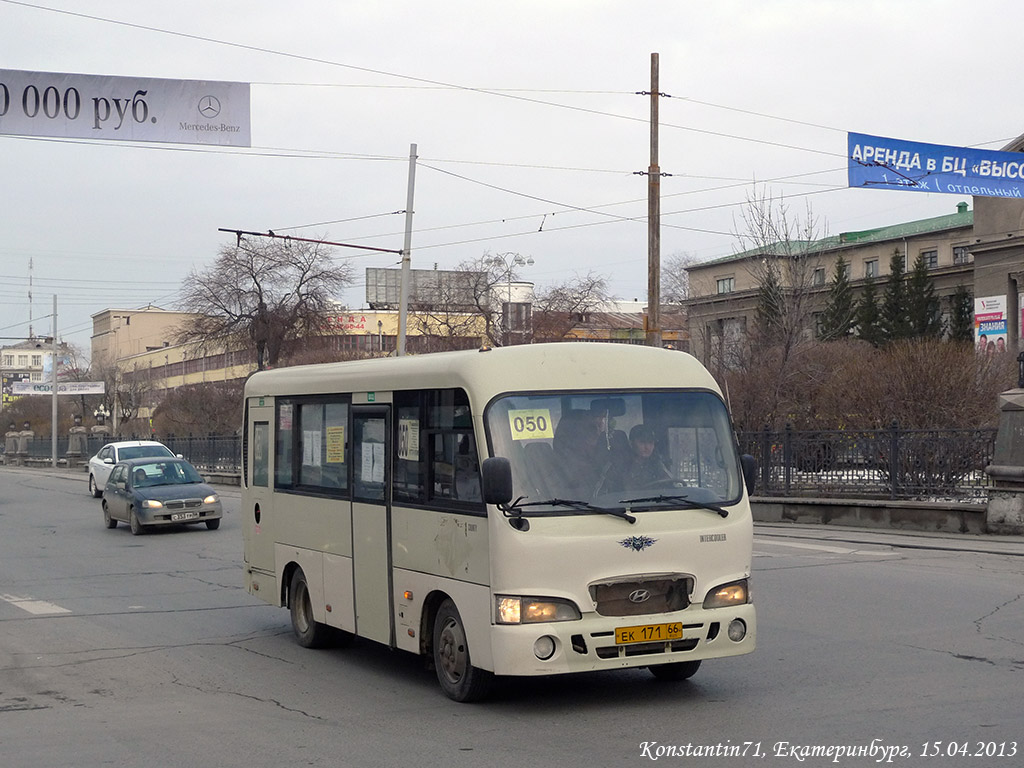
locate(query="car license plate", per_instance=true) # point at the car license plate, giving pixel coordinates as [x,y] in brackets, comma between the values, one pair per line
[179,516]
[649,633]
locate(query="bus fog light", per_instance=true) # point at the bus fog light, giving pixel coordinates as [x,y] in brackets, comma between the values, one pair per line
[544,647]
[737,630]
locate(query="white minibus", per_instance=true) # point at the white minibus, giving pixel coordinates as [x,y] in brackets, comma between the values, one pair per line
[527,510]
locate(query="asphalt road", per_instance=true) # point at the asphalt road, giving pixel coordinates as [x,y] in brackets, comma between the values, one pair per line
[146,651]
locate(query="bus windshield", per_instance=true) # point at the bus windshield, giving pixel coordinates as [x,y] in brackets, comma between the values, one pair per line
[635,450]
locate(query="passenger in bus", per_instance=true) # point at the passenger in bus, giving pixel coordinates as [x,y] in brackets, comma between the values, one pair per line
[581,454]
[643,468]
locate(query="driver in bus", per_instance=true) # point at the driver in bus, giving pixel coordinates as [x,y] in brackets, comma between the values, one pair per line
[643,468]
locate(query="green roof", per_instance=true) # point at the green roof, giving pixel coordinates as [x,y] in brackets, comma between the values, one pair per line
[962,218]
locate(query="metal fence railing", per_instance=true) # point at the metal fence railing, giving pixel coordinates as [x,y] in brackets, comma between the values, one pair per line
[214,453]
[894,463]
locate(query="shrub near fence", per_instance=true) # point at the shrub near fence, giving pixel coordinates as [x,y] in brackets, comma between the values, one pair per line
[894,463]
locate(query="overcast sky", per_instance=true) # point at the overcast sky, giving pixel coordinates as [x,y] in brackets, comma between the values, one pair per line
[528,127]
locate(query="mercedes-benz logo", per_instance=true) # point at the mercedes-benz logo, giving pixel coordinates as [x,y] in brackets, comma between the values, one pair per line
[639,596]
[209,107]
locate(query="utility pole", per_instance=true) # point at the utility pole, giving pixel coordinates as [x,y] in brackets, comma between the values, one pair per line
[654,221]
[53,381]
[403,305]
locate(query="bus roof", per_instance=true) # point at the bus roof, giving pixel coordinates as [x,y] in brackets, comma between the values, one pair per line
[490,371]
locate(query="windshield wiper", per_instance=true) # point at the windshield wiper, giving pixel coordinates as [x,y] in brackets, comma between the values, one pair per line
[582,506]
[686,501]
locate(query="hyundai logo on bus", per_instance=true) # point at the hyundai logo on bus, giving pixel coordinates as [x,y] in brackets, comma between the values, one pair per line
[639,596]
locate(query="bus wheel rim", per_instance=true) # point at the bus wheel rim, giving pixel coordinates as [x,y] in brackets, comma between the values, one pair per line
[452,652]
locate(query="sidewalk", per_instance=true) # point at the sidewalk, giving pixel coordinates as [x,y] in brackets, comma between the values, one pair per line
[990,544]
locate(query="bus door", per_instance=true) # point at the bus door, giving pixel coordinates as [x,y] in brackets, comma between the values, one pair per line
[258,527]
[371,522]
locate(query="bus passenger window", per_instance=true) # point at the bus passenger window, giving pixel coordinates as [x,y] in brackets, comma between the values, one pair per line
[283,447]
[261,454]
[455,471]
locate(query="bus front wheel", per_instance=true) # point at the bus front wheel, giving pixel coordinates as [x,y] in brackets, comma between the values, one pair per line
[679,670]
[459,679]
[309,632]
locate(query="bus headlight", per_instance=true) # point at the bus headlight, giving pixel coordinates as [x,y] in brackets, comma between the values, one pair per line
[533,610]
[734,593]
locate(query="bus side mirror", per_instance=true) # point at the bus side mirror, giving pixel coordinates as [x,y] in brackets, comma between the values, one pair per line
[497,480]
[749,472]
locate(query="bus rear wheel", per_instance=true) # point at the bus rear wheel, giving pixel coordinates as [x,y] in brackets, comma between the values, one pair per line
[679,670]
[459,679]
[309,632]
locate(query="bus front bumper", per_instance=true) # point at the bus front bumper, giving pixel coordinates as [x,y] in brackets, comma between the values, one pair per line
[601,642]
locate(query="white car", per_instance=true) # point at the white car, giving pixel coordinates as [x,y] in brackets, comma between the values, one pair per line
[110,454]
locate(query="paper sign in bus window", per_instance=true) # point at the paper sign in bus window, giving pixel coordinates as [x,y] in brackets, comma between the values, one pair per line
[530,424]
[336,445]
[409,439]
[311,447]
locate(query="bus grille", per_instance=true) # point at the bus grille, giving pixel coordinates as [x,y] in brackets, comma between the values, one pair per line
[663,595]
[645,649]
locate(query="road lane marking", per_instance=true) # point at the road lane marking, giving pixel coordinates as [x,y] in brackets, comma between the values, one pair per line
[35,607]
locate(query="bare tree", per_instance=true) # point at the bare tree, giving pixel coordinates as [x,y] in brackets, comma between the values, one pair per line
[561,307]
[474,294]
[675,280]
[785,254]
[788,253]
[200,409]
[266,293]
[132,392]
[457,309]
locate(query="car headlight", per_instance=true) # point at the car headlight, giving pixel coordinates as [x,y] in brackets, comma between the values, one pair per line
[734,593]
[152,504]
[212,498]
[533,610]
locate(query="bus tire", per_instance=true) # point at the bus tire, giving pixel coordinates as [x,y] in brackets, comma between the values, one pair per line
[309,632]
[679,670]
[459,679]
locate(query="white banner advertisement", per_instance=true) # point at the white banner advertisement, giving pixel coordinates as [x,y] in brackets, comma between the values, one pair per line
[19,388]
[124,108]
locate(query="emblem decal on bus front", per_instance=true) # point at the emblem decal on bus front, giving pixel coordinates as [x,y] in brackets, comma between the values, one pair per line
[637,543]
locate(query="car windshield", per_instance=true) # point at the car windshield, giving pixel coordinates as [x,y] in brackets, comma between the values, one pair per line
[616,451]
[164,473]
[143,451]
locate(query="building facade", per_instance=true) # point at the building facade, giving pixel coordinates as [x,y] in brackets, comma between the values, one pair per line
[980,250]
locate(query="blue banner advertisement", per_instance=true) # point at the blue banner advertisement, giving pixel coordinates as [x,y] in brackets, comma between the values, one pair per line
[879,163]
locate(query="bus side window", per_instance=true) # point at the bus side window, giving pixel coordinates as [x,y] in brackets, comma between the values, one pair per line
[467,469]
[455,469]
[284,471]
[261,454]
